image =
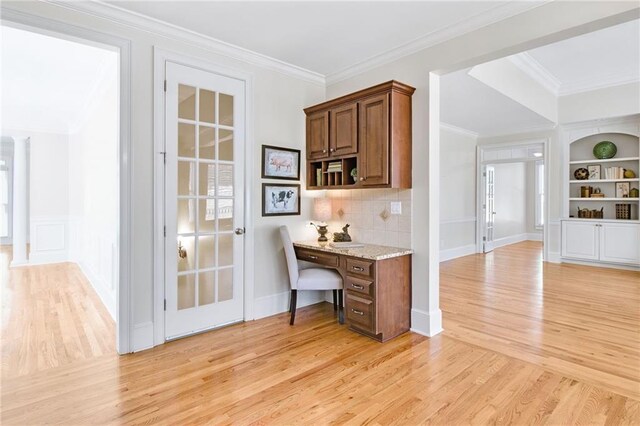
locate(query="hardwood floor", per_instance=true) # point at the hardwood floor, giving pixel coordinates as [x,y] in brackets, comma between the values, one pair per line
[317,372]
[580,321]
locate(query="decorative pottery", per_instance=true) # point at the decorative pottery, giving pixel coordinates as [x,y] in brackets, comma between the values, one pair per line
[634,193]
[629,174]
[581,174]
[604,150]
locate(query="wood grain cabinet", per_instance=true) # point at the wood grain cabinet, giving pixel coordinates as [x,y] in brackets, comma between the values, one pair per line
[378,296]
[369,130]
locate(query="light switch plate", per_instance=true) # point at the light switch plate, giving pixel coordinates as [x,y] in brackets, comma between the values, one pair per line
[396,207]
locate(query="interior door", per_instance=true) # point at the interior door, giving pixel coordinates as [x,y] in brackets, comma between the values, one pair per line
[6,199]
[489,208]
[204,210]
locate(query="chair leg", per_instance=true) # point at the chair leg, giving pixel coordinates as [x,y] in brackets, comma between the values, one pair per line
[335,300]
[341,306]
[294,297]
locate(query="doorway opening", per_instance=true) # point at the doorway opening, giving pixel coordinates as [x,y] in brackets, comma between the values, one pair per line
[66,130]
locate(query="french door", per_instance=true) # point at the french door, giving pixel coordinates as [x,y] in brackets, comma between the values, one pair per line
[204,210]
[489,208]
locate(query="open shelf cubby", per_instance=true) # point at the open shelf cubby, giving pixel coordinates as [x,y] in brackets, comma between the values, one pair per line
[627,157]
[321,176]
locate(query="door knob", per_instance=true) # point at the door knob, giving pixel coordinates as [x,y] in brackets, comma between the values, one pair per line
[239,231]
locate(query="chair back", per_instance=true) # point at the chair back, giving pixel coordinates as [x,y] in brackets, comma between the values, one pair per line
[290,253]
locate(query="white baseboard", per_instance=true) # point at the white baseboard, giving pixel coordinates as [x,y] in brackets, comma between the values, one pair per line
[47,257]
[600,264]
[101,288]
[534,236]
[456,252]
[554,257]
[142,337]
[511,239]
[274,304]
[426,323]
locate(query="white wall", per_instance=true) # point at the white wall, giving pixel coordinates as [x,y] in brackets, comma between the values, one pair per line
[510,200]
[278,120]
[458,193]
[615,101]
[93,190]
[545,24]
[48,201]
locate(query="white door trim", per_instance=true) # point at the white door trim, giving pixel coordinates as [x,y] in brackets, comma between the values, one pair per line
[124,326]
[480,190]
[160,57]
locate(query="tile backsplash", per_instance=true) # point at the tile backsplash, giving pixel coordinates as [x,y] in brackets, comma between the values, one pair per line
[368,212]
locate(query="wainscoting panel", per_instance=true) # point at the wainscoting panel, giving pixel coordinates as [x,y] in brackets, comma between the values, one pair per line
[49,240]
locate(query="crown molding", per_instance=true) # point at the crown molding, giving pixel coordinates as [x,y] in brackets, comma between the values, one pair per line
[147,24]
[536,71]
[601,82]
[521,130]
[527,64]
[459,130]
[491,16]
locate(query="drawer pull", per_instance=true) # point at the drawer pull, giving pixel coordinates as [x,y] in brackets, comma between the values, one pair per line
[358,268]
[355,311]
[359,287]
[313,257]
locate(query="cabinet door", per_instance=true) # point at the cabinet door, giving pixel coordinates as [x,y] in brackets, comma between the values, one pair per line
[318,135]
[344,130]
[373,168]
[620,243]
[580,240]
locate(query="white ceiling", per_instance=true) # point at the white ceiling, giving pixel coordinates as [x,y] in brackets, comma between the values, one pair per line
[471,105]
[46,82]
[599,59]
[324,37]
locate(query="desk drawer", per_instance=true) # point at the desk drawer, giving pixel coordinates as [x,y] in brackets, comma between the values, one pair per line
[319,257]
[360,313]
[363,268]
[359,285]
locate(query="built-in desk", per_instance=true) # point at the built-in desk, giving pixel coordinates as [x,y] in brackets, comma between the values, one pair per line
[377,284]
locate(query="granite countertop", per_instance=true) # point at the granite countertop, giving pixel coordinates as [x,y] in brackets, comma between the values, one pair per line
[369,251]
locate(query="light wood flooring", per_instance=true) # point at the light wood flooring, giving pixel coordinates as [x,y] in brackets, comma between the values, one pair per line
[514,351]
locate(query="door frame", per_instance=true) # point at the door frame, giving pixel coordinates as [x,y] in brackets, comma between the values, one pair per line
[45,26]
[160,57]
[517,143]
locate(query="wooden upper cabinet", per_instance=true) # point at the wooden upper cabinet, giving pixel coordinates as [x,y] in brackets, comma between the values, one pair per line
[318,135]
[370,131]
[373,167]
[343,125]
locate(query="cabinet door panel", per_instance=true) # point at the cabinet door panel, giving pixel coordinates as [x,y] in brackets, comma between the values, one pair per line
[318,135]
[580,240]
[374,140]
[344,130]
[620,243]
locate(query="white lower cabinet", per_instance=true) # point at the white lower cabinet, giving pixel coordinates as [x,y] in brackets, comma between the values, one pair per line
[601,241]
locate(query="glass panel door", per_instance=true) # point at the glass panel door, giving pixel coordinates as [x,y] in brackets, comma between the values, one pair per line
[204,174]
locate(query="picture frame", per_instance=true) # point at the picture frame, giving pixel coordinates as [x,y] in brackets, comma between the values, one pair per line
[594,172]
[280,163]
[279,199]
[622,189]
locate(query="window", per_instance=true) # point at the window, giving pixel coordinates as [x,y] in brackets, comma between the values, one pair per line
[539,194]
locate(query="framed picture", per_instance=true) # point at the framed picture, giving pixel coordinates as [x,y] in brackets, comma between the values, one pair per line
[280,199]
[280,163]
[594,172]
[622,189]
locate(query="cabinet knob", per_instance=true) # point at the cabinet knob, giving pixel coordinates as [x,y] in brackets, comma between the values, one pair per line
[324,151]
[361,179]
[332,149]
